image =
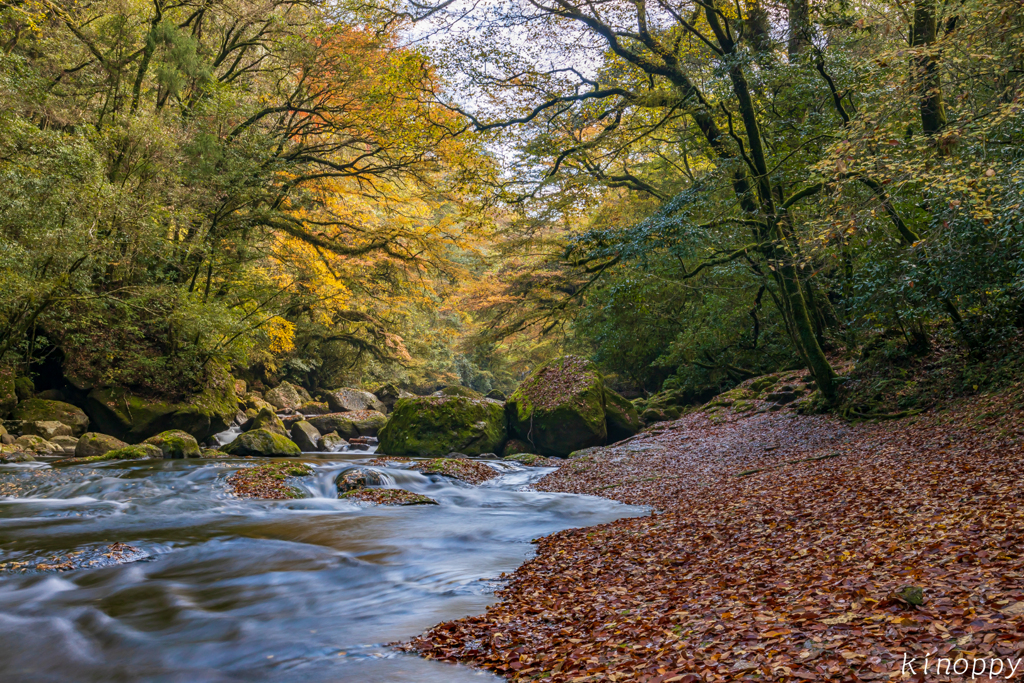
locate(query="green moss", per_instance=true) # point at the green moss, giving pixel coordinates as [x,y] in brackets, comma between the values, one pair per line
[41,410]
[260,442]
[560,407]
[142,451]
[621,417]
[432,426]
[175,444]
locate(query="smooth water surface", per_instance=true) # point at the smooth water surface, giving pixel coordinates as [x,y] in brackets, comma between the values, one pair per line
[239,590]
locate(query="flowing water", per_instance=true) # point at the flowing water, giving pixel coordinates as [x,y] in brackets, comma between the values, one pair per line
[225,589]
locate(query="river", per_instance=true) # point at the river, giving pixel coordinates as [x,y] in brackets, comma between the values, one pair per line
[236,590]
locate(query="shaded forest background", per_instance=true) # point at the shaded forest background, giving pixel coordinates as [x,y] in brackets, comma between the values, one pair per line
[690,193]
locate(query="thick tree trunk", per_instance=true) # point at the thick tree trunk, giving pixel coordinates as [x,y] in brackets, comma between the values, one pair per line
[927,77]
[799,27]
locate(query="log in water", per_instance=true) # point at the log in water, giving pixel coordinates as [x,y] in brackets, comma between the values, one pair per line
[214,588]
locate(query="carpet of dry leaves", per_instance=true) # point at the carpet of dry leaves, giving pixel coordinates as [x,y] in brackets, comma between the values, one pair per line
[775,553]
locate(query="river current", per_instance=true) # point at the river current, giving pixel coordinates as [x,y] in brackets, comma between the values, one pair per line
[232,590]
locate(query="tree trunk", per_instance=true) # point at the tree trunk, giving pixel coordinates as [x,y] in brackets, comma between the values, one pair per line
[799,27]
[927,77]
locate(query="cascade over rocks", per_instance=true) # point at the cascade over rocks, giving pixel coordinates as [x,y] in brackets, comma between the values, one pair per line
[41,410]
[261,442]
[344,400]
[560,408]
[438,425]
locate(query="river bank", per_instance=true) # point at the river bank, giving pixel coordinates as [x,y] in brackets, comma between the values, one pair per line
[785,547]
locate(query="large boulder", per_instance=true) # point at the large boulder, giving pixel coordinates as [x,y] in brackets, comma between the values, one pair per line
[306,436]
[41,410]
[560,408]
[48,429]
[353,423]
[438,425]
[175,443]
[253,401]
[287,396]
[94,443]
[134,418]
[268,419]
[620,416]
[389,394]
[344,400]
[261,442]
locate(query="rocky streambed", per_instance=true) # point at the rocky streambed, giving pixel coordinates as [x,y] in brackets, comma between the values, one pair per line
[155,570]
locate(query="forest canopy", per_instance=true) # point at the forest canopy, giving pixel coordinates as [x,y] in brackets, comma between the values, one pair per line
[690,193]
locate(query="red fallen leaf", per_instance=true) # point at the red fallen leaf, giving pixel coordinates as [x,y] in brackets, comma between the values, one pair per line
[808,547]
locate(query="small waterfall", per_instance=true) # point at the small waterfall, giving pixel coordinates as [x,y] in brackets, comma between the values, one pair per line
[227,436]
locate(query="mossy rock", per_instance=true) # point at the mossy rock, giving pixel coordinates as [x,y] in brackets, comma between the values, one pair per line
[621,417]
[48,429]
[496,395]
[253,401]
[345,400]
[742,406]
[331,443]
[261,442]
[762,383]
[287,396]
[350,424]
[314,408]
[463,469]
[516,446]
[176,444]
[387,497]
[306,436]
[458,390]
[560,407]
[41,410]
[92,444]
[24,388]
[438,425]
[269,481]
[268,419]
[134,418]
[210,453]
[142,451]
[652,415]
